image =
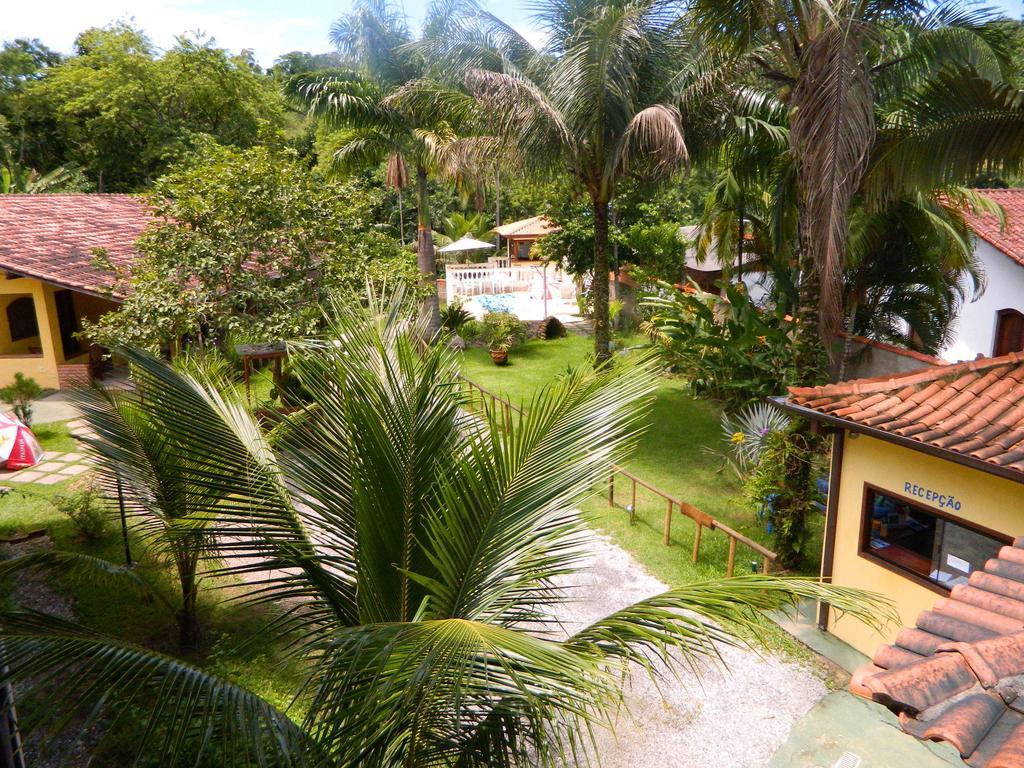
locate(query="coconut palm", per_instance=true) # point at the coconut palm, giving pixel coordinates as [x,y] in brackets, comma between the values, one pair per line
[414,554]
[600,101]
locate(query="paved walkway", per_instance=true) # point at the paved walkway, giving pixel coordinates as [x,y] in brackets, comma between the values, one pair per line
[56,406]
[54,468]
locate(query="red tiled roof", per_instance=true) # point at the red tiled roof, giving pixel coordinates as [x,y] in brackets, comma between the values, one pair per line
[1008,239]
[921,357]
[52,237]
[972,411]
[535,226]
[958,675]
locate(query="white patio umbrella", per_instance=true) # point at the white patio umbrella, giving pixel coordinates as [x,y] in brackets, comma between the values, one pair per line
[466,243]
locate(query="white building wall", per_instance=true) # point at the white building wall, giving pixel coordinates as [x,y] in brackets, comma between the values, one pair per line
[974,332]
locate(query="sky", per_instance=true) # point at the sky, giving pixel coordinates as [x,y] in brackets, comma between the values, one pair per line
[268,27]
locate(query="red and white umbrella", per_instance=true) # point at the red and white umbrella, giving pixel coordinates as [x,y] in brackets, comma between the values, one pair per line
[19,448]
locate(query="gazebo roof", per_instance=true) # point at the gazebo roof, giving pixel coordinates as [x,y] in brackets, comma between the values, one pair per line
[533,227]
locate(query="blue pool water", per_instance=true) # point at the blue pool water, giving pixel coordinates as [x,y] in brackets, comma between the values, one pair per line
[502,302]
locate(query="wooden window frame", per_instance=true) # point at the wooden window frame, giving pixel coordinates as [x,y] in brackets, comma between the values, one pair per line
[1001,315]
[864,545]
[30,319]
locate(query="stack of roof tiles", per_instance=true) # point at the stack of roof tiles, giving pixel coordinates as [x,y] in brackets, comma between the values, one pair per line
[973,409]
[53,237]
[958,675]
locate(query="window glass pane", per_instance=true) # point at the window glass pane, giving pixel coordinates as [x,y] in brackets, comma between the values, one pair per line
[918,541]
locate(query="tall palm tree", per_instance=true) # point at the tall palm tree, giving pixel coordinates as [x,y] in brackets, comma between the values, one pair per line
[375,40]
[830,62]
[416,554]
[600,101]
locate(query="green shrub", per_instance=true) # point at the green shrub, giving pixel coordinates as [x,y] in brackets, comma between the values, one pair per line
[454,316]
[85,505]
[472,330]
[728,349]
[503,330]
[20,395]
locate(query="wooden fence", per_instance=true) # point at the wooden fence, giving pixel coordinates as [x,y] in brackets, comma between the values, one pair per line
[483,399]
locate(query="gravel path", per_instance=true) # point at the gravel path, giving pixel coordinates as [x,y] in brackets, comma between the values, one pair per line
[728,719]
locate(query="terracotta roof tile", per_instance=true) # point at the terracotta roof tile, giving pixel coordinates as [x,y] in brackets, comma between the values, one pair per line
[52,237]
[958,677]
[535,226]
[1008,239]
[973,409]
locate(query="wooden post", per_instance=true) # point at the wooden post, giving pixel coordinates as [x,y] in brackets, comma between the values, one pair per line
[611,489]
[668,524]
[766,566]
[696,541]
[632,507]
[731,567]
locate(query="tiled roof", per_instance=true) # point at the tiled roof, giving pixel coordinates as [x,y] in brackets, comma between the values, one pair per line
[52,237]
[1008,239]
[972,411]
[958,675]
[887,347]
[535,226]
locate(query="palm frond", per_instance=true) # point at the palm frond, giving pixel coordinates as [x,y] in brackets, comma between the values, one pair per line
[187,709]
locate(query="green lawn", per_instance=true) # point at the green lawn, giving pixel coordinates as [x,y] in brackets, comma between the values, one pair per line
[137,616]
[670,456]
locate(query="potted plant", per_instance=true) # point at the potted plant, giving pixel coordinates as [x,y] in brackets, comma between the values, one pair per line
[501,331]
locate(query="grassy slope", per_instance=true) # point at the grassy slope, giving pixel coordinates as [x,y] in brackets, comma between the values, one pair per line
[670,457]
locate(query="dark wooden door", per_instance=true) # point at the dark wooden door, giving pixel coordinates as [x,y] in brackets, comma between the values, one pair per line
[68,323]
[1009,332]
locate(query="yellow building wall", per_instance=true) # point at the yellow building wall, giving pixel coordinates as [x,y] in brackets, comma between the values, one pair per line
[985,499]
[41,367]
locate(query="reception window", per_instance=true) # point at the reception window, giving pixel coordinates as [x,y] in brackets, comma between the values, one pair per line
[922,543]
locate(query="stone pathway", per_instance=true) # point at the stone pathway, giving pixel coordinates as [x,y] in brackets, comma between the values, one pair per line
[56,467]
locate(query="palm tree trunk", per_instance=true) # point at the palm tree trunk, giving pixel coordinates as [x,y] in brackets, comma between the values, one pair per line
[425,256]
[188,618]
[599,285]
[401,219]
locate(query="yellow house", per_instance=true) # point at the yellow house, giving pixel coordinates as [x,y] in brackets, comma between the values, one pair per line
[50,280]
[926,507]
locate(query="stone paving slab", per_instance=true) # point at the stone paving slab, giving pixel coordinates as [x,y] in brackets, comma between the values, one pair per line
[72,470]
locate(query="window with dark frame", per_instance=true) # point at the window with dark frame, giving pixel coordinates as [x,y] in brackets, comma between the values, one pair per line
[21,319]
[922,543]
[1009,332]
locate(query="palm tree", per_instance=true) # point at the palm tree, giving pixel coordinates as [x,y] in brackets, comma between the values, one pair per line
[381,128]
[415,555]
[600,101]
[135,439]
[831,63]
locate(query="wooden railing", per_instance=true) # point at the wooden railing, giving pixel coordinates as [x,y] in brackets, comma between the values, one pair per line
[477,396]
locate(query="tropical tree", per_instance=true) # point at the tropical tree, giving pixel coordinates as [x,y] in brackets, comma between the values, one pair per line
[602,101]
[415,554]
[122,112]
[830,63]
[380,128]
